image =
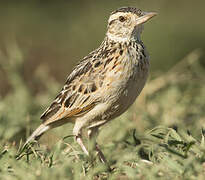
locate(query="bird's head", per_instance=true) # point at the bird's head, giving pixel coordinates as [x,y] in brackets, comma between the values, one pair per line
[126,23]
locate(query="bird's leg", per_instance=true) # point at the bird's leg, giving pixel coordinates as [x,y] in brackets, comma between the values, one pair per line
[92,133]
[100,154]
[80,142]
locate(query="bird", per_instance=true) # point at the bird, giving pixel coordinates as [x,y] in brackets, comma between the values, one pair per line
[105,83]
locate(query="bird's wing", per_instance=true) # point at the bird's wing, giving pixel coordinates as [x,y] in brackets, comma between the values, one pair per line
[78,94]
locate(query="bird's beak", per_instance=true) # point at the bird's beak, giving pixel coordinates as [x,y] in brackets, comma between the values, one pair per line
[146,16]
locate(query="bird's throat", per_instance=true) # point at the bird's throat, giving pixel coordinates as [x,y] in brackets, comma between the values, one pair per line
[117,39]
[135,36]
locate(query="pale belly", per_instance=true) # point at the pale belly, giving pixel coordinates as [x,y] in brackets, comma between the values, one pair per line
[125,93]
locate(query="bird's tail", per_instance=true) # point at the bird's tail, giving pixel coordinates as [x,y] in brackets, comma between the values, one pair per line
[37,133]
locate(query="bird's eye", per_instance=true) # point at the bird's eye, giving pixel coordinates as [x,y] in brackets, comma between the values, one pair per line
[122,18]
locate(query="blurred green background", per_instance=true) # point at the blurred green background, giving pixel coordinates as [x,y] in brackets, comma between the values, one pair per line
[57,34]
[41,41]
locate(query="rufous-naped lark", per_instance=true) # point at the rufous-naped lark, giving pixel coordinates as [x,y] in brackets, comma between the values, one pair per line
[105,83]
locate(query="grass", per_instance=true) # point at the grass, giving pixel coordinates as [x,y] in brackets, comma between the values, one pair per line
[160,137]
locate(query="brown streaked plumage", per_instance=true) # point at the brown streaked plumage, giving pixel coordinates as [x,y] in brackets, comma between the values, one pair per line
[106,82]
